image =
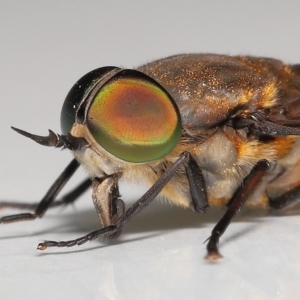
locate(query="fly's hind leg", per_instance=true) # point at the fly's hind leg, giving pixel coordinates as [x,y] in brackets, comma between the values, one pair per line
[284,190]
[249,185]
[285,200]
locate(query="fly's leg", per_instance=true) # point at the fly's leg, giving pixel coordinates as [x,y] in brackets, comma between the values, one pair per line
[57,141]
[73,195]
[48,199]
[117,209]
[285,200]
[64,200]
[130,213]
[107,202]
[197,185]
[117,204]
[244,192]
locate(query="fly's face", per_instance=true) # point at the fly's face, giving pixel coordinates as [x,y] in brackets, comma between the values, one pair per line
[124,116]
[202,129]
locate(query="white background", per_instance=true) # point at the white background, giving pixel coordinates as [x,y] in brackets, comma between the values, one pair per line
[45,47]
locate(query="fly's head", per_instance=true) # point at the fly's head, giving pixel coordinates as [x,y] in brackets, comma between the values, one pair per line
[124,117]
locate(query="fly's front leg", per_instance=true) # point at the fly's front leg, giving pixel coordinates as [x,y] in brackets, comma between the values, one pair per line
[129,214]
[66,199]
[249,185]
[107,202]
[197,185]
[48,199]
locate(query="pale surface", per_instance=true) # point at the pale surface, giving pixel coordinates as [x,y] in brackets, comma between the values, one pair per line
[44,49]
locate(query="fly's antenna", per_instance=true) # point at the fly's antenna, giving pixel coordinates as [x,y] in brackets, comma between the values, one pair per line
[54,140]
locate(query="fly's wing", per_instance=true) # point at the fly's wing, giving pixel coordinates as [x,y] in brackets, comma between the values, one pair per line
[283,117]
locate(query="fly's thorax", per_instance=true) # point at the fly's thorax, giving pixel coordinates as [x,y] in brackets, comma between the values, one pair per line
[216,154]
[226,158]
[217,158]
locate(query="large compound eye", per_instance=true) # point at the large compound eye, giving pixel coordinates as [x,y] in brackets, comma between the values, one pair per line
[134,119]
[76,95]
